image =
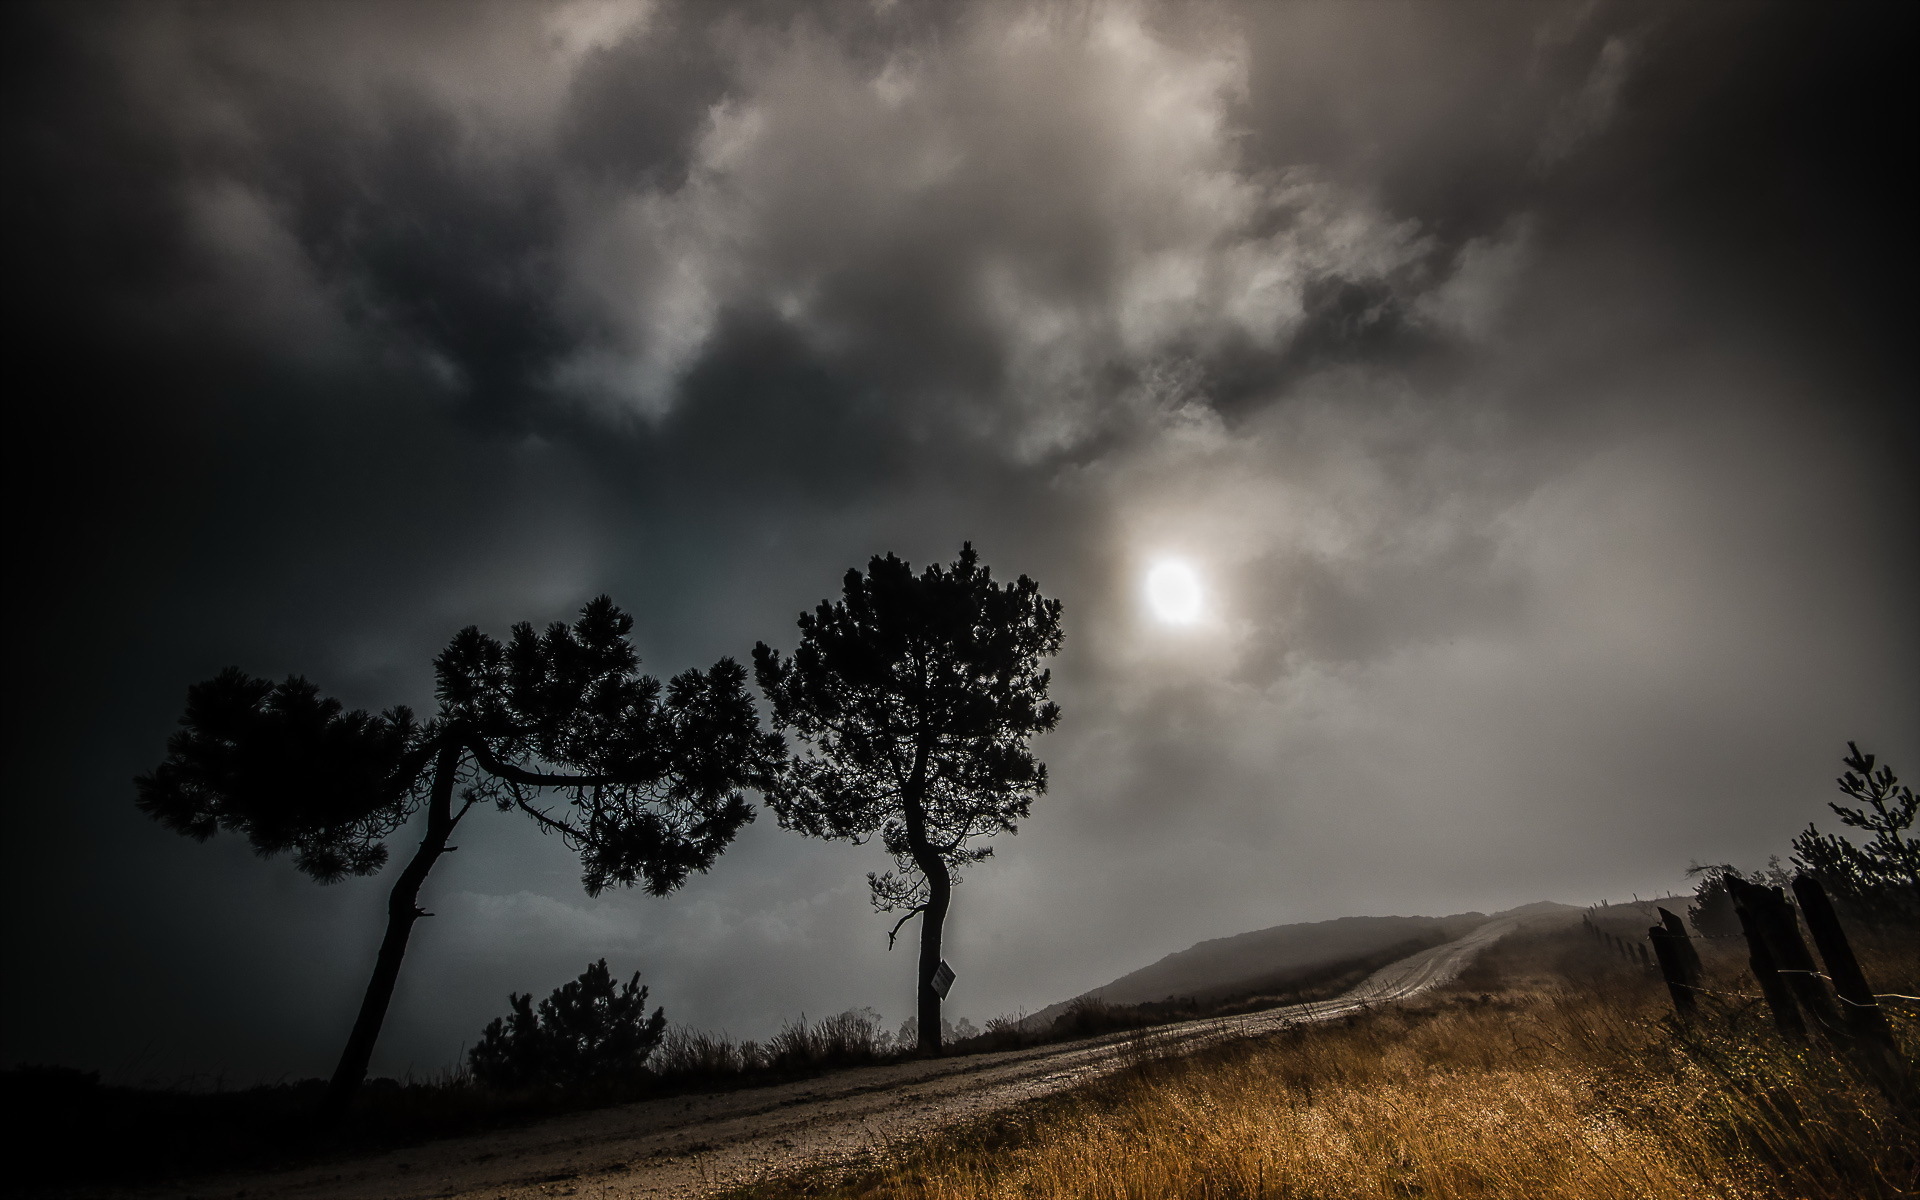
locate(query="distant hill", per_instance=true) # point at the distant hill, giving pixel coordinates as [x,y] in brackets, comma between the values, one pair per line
[1270,961]
[1629,919]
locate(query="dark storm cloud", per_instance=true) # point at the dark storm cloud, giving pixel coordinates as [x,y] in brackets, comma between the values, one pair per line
[1530,385]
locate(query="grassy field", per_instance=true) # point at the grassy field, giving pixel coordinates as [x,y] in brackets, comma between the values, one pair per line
[1550,1071]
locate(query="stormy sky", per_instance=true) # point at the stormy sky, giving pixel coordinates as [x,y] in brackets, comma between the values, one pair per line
[1529,387]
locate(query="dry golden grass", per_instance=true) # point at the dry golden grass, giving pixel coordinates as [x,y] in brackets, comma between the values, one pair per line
[1549,1073]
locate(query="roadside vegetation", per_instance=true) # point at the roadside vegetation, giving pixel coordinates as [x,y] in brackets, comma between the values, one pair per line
[519,1071]
[1552,1069]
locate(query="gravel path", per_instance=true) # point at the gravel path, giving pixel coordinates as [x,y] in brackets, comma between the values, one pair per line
[695,1145]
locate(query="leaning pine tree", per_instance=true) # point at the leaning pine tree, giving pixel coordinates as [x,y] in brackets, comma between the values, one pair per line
[914,698]
[645,782]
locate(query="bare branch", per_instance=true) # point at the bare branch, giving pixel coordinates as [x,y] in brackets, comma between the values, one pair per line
[911,913]
[544,819]
[521,775]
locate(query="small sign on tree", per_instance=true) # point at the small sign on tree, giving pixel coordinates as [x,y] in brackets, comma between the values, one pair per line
[942,978]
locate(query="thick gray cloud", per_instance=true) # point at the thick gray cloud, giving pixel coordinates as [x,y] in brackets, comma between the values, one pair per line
[1526,384]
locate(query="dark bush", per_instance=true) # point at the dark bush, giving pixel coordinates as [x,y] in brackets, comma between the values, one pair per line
[1090,1016]
[589,1031]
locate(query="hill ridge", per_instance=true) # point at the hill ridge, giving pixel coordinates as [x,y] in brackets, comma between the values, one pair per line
[1267,960]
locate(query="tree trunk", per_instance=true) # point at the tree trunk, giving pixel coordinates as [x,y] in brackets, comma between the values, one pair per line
[403,910]
[939,895]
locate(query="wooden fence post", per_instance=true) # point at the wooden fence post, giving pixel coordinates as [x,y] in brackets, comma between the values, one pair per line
[1679,963]
[1873,1036]
[1780,925]
[1683,942]
[1785,1015]
[1674,971]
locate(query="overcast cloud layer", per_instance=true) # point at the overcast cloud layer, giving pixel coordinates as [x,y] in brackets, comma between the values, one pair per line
[1530,384]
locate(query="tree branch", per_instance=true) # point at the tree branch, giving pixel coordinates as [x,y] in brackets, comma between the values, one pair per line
[512,774]
[543,819]
[473,798]
[966,831]
[913,912]
[417,759]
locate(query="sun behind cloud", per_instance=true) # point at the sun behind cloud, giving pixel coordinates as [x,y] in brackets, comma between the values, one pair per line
[1174,592]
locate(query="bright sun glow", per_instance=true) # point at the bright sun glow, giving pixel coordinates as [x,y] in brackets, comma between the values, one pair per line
[1173,592]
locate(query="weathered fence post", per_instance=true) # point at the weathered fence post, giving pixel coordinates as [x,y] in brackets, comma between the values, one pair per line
[1860,1011]
[1679,964]
[1873,1036]
[1780,925]
[1683,942]
[1785,1015]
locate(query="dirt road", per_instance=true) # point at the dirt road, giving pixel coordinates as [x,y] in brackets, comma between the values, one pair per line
[695,1145]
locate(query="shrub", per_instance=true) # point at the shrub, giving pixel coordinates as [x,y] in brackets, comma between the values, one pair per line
[1090,1016]
[851,1038]
[588,1031]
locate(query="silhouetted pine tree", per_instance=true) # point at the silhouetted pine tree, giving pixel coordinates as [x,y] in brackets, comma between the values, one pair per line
[915,697]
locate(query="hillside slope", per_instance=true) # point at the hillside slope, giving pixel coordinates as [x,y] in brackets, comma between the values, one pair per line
[1270,960]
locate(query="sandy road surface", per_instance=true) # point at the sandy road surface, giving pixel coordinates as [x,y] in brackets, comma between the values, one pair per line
[695,1145]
